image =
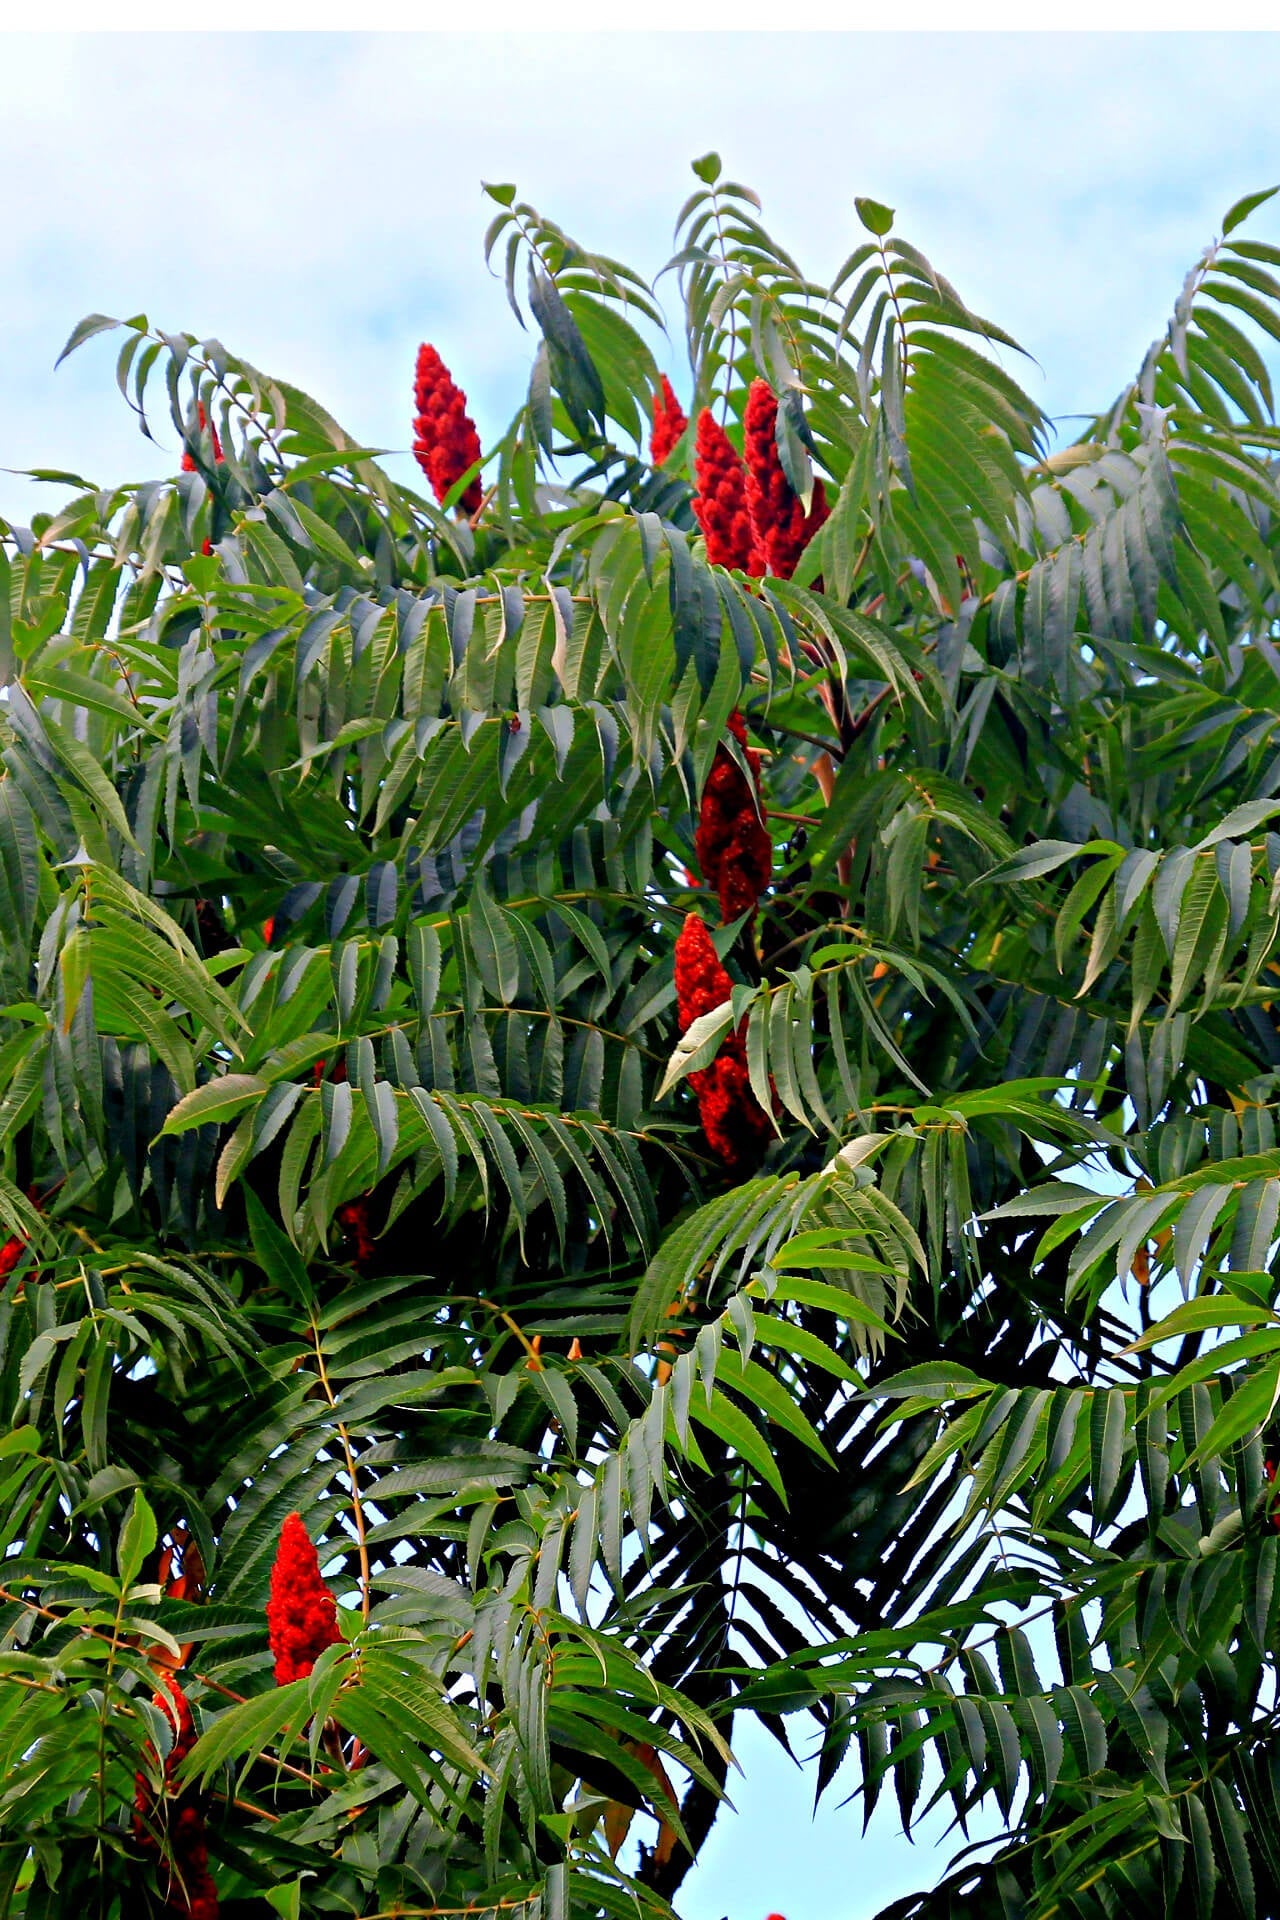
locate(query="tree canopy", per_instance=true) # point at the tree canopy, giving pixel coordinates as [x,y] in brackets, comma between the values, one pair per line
[641,1089]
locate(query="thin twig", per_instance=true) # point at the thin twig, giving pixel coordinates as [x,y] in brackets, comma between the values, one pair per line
[357,1507]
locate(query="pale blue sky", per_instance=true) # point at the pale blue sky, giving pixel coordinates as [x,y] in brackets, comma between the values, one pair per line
[314,201]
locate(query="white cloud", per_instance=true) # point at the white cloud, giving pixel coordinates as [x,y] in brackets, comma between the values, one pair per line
[314,199]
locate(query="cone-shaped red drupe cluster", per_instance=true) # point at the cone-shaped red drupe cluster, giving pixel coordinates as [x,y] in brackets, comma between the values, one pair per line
[749,514]
[721,500]
[779,522]
[445,440]
[172,1701]
[302,1615]
[185,1879]
[188,459]
[10,1254]
[353,1218]
[734,848]
[702,984]
[669,423]
[1269,1468]
[736,1125]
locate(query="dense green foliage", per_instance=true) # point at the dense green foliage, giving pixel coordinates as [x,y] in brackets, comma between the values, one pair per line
[944,1433]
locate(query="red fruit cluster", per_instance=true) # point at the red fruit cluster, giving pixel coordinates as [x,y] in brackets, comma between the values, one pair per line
[10,1254]
[733,845]
[1273,1512]
[302,1615]
[188,459]
[173,1703]
[736,1125]
[445,439]
[186,1882]
[353,1218]
[721,500]
[779,522]
[669,423]
[702,983]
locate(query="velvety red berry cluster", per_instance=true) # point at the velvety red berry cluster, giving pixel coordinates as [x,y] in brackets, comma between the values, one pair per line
[779,522]
[302,1615]
[748,512]
[188,459]
[1273,1512]
[10,1254]
[445,440]
[734,848]
[353,1218]
[735,1124]
[669,423]
[185,1880]
[721,500]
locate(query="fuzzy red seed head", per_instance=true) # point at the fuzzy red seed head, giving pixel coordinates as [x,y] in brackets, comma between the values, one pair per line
[445,440]
[735,1124]
[10,1254]
[721,500]
[172,1702]
[190,1890]
[780,525]
[737,1127]
[669,423]
[701,982]
[186,1883]
[733,844]
[353,1218]
[188,462]
[201,1901]
[302,1615]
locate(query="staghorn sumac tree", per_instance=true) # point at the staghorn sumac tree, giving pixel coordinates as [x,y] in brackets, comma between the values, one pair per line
[427,1438]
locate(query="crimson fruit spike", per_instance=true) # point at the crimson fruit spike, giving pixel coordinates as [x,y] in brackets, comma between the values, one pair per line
[734,847]
[735,1124]
[701,981]
[445,439]
[172,1701]
[353,1218]
[302,1615]
[781,527]
[185,1880]
[721,500]
[669,423]
[188,459]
